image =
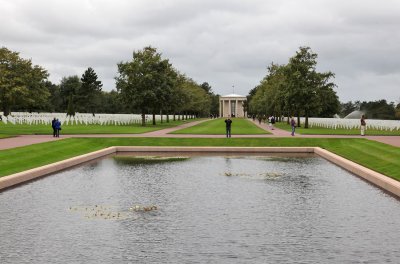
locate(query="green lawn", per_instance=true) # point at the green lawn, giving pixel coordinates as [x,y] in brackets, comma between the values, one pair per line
[240,126]
[374,155]
[340,131]
[10,129]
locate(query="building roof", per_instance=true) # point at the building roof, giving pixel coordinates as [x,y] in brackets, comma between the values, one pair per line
[233,95]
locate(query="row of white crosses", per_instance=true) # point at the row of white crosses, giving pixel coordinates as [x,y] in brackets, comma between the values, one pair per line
[337,123]
[79,118]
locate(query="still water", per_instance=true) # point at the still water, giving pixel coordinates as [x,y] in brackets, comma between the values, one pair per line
[200,210]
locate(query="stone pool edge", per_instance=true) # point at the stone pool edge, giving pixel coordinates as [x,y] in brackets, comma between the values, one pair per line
[371,176]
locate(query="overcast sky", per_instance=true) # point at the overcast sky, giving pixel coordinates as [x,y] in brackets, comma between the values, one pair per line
[222,42]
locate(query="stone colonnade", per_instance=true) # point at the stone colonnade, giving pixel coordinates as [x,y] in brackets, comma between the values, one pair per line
[232,105]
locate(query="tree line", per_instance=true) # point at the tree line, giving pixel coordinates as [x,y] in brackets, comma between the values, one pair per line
[379,109]
[146,84]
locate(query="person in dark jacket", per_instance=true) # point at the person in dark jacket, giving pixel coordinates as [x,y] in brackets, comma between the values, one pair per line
[228,123]
[53,125]
[293,125]
[272,122]
[58,127]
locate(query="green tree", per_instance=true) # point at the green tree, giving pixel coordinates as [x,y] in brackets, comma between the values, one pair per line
[197,101]
[206,87]
[70,108]
[379,109]
[88,94]
[214,99]
[397,112]
[145,82]
[347,108]
[268,97]
[305,86]
[55,100]
[69,86]
[111,103]
[22,84]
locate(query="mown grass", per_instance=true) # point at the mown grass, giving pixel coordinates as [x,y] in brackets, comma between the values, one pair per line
[340,131]
[374,155]
[239,126]
[25,129]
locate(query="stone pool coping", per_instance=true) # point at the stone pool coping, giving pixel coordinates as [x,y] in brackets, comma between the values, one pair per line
[371,176]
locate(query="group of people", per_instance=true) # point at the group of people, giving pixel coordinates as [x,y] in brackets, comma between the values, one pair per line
[56,125]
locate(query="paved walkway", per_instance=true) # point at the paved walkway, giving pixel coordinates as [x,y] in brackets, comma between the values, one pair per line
[24,140]
[277,132]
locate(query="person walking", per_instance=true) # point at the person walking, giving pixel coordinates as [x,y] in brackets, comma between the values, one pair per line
[228,123]
[363,125]
[53,125]
[57,127]
[269,122]
[272,122]
[293,125]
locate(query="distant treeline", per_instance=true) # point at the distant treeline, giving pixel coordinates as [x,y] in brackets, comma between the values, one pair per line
[146,84]
[379,109]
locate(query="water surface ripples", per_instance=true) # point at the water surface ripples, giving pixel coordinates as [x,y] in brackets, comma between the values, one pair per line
[209,210]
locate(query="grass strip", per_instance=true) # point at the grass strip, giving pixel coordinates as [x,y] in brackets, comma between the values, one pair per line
[340,131]
[240,126]
[377,156]
[40,129]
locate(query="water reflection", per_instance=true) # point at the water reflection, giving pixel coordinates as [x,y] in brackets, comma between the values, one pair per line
[199,210]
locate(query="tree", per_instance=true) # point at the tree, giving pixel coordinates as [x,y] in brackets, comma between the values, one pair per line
[330,104]
[347,108]
[305,85]
[88,95]
[214,99]
[110,102]
[268,97]
[22,84]
[379,109]
[197,101]
[397,112]
[55,102]
[69,86]
[145,82]
[70,108]
[206,87]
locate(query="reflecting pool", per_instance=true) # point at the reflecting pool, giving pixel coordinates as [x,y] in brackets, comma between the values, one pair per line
[202,209]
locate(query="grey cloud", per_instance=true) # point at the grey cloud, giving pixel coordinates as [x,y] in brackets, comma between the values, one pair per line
[222,42]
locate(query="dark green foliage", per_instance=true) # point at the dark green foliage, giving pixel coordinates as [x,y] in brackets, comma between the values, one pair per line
[146,82]
[71,109]
[295,89]
[69,86]
[22,84]
[378,109]
[347,108]
[89,93]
